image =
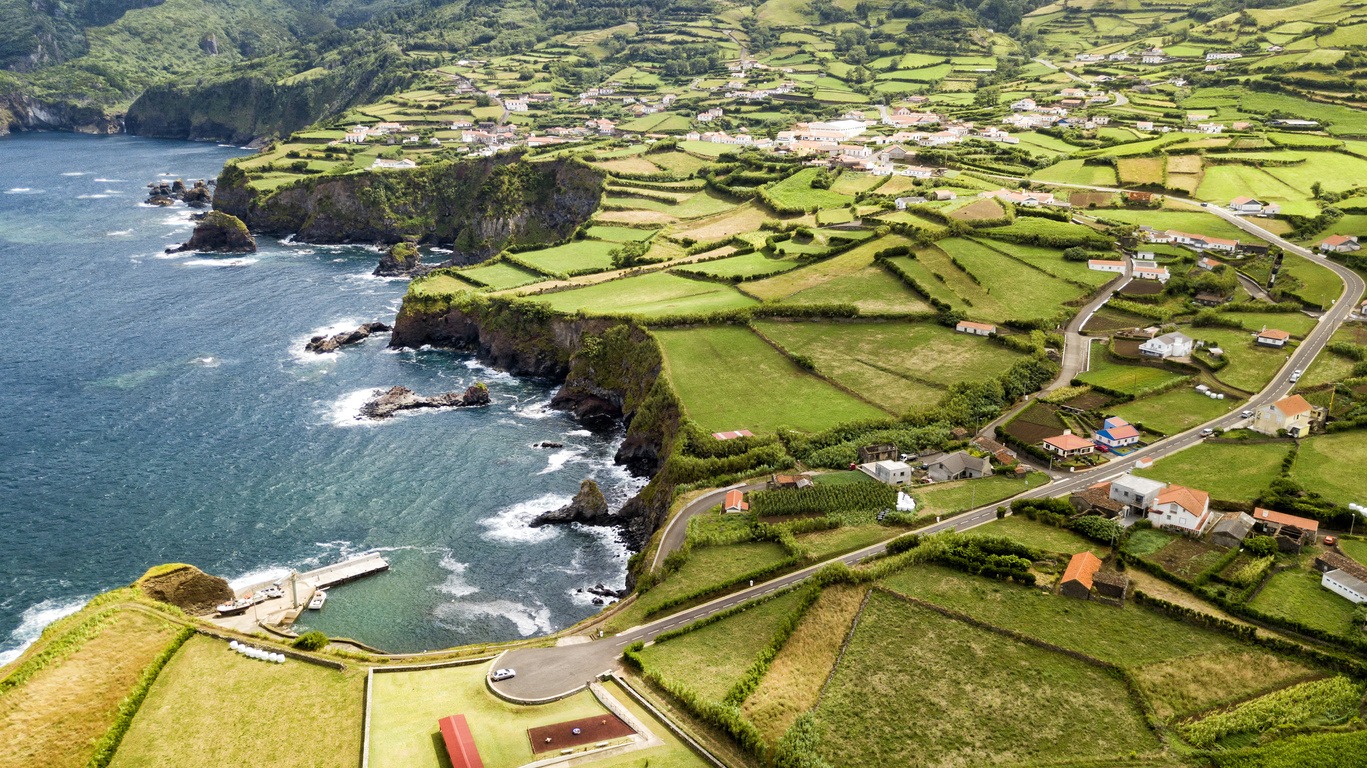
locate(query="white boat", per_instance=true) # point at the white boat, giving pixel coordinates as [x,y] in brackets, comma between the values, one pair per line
[235,607]
[319,597]
[271,592]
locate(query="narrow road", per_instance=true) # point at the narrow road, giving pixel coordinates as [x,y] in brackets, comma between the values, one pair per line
[676,530]
[551,672]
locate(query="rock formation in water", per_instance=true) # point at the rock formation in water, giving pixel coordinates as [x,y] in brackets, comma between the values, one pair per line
[588,507]
[186,587]
[404,399]
[197,195]
[325,344]
[219,232]
[401,260]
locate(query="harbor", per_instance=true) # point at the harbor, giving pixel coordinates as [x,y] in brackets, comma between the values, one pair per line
[279,602]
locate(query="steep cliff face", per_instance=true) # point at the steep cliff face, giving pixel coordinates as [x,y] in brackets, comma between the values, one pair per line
[608,369]
[475,207]
[21,112]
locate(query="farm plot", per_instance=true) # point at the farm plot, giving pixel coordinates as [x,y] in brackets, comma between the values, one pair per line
[1251,366]
[745,266]
[1077,172]
[573,258]
[907,658]
[797,193]
[962,495]
[1140,171]
[1182,686]
[1174,411]
[1228,471]
[501,275]
[767,392]
[1041,536]
[1034,423]
[849,278]
[1296,594]
[651,295]
[1051,261]
[1182,221]
[1318,285]
[1320,462]
[1222,183]
[895,364]
[1128,379]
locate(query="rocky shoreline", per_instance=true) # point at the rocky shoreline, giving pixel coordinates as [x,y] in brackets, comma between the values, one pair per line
[324,344]
[397,399]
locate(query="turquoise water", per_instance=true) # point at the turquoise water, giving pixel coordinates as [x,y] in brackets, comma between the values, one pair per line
[162,409]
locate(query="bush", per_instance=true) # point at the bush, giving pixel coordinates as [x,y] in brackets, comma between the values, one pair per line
[313,640]
[1333,699]
[820,498]
[1098,529]
[1261,546]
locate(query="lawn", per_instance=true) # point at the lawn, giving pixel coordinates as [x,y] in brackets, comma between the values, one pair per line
[728,378]
[1041,536]
[1227,471]
[55,717]
[574,257]
[499,276]
[899,365]
[1130,379]
[1251,366]
[1077,172]
[1321,466]
[962,495]
[1175,411]
[650,295]
[706,569]
[710,660]
[212,706]
[1319,286]
[1023,291]
[1101,631]
[796,191]
[911,679]
[1049,260]
[1296,594]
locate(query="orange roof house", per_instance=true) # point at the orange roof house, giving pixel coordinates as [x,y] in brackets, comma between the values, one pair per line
[460,743]
[1068,444]
[735,502]
[1078,576]
[1279,519]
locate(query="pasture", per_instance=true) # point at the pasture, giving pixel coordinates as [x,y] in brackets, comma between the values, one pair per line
[650,295]
[1229,471]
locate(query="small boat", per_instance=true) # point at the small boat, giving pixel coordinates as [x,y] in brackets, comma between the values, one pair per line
[319,597]
[235,607]
[272,592]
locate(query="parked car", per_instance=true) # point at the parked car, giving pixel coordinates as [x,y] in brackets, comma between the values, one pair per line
[500,675]
[1207,432]
[1246,414]
[1296,375]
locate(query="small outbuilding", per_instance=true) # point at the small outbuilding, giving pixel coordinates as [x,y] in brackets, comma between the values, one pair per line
[1078,577]
[1231,531]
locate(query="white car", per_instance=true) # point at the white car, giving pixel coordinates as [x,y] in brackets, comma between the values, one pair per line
[1246,414]
[1207,432]
[500,675]
[1296,375]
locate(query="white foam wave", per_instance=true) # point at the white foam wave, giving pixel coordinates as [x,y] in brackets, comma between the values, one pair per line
[33,621]
[539,410]
[264,575]
[579,433]
[298,346]
[511,525]
[18,190]
[172,255]
[76,173]
[113,192]
[208,361]
[239,262]
[179,220]
[526,619]
[91,197]
[487,372]
[103,180]
[557,461]
[119,233]
[455,584]
[346,412]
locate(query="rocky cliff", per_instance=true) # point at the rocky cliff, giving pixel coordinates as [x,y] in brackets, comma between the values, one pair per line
[21,112]
[475,207]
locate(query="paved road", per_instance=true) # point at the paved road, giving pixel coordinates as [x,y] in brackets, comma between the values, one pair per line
[676,530]
[551,672]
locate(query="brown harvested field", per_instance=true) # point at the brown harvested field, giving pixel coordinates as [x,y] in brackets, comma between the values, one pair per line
[1107,319]
[1184,163]
[54,718]
[1180,687]
[794,680]
[745,218]
[1126,347]
[1035,423]
[1140,170]
[1142,288]
[1088,401]
[1089,199]
[634,217]
[979,210]
[577,733]
[1183,182]
[1187,558]
[634,164]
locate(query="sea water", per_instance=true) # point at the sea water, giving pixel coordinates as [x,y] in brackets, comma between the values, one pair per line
[161,408]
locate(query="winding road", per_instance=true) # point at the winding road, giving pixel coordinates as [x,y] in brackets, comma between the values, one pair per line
[550,673]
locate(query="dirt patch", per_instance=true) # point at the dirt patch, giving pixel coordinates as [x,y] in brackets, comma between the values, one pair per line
[1142,288]
[1036,423]
[985,209]
[186,587]
[1088,401]
[1187,558]
[1126,347]
[1088,199]
[577,733]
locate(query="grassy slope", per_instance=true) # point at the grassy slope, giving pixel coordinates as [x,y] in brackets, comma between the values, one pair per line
[1228,471]
[1321,463]
[649,295]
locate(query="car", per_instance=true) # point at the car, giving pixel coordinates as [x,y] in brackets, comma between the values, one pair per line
[1207,432]
[1246,414]
[1296,375]
[500,675]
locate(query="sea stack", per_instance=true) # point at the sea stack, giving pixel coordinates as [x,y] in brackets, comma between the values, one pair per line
[219,232]
[401,260]
[588,507]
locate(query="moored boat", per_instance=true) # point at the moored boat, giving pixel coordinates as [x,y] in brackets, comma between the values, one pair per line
[316,603]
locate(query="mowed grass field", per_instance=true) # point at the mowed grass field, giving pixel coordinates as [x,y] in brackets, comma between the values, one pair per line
[1174,411]
[1322,463]
[960,495]
[914,683]
[898,365]
[55,716]
[649,295]
[1132,379]
[1251,366]
[500,276]
[1182,221]
[1297,594]
[1041,536]
[213,706]
[744,266]
[577,256]
[705,569]
[1228,471]
[796,191]
[849,278]
[728,378]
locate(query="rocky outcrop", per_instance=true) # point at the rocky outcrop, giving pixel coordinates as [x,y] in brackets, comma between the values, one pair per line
[404,399]
[197,195]
[401,260]
[474,207]
[21,112]
[588,507]
[186,587]
[325,344]
[219,232]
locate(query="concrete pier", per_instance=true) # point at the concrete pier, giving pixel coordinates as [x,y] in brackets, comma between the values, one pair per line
[299,589]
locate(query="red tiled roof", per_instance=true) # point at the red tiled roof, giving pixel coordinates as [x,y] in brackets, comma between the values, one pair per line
[1281,518]
[1068,442]
[736,500]
[976,326]
[1333,240]
[460,743]
[1273,333]
[1190,499]
[1121,433]
[1294,405]
[732,435]
[1082,568]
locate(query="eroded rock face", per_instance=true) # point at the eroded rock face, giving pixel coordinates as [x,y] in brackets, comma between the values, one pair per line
[325,344]
[401,260]
[199,194]
[404,399]
[219,232]
[588,507]
[187,588]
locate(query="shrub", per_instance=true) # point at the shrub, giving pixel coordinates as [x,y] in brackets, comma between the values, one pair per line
[1333,699]
[1098,529]
[1261,546]
[313,640]
[824,499]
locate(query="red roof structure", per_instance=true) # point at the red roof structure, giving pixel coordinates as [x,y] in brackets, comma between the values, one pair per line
[735,500]
[1068,442]
[1281,518]
[732,435]
[460,743]
[1081,569]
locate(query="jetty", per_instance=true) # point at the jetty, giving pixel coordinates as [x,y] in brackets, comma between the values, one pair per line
[298,591]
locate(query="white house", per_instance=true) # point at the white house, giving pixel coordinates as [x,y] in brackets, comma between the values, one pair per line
[891,472]
[903,202]
[1339,244]
[1345,584]
[1173,344]
[383,164]
[1023,105]
[1223,55]
[1253,205]
[1272,337]
[515,105]
[1068,444]
[1106,265]
[1144,125]
[1292,414]
[976,329]
[1115,433]
[1137,493]
[1183,508]
[1151,272]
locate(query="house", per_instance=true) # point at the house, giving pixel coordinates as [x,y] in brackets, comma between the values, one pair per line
[1068,445]
[731,435]
[959,465]
[1223,55]
[1151,272]
[383,164]
[735,502]
[1119,56]
[1231,531]
[903,202]
[1077,577]
[1292,532]
[1106,265]
[1339,244]
[356,136]
[1136,493]
[603,126]
[1345,584]
[890,472]
[1271,337]
[515,105]
[1182,508]
[1208,264]
[944,194]
[870,454]
[1024,105]
[1292,414]
[1097,499]
[1144,125]
[1253,205]
[796,482]
[1111,584]
[1115,433]
[977,329]
[1175,344]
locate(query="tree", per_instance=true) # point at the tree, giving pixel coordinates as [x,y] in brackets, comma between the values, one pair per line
[628,254]
[312,640]
[1260,546]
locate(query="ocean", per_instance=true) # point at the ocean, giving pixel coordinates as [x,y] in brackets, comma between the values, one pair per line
[161,408]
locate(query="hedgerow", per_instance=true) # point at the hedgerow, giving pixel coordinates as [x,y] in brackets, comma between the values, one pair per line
[823,498]
[1334,699]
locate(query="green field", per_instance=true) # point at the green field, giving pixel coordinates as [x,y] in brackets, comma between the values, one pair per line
[1076,172]
[728,379]
[1296,594]
[498,276]
[748,265]
[1131,379]
[619,234]
[796,191]
[849,278]
[907,659]
[1174,411]
[1321,466]
[1319,286]
[1227,471]
[1024,292]
[1041,536]
[895,364]
[650,295]
[962,495]
[575,257]
[1251,366]
[1182,221]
